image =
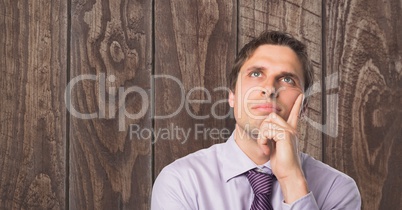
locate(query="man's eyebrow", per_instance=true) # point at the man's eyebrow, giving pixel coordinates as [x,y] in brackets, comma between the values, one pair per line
[288,74]
[255,68]
[282,74]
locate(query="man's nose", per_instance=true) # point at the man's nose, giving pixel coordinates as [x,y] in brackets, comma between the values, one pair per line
[269,92]
[268,88]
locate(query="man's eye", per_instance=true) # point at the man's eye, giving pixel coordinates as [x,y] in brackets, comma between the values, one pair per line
[288,80]
[255,74]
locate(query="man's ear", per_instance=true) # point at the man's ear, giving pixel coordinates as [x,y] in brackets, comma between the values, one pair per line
[231,98]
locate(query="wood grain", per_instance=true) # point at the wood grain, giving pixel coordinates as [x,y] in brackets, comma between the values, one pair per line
[110,41]
[364,47]
[302,19]
[195,45]
[33,118]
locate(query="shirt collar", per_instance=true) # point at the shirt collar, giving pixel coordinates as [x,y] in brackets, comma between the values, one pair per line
[235,162]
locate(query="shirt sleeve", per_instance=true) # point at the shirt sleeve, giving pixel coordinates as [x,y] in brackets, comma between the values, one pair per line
[343,195]
[306,202]
[169,192]
[331,189]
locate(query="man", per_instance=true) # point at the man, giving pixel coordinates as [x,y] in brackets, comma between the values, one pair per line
[268,80]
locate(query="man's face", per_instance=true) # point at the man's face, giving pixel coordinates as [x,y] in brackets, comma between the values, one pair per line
[269,81]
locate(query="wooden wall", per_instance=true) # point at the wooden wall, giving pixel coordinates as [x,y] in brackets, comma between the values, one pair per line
[364,47]
[84,84]
[34,126]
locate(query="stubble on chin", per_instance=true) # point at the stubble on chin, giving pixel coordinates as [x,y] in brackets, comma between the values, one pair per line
[248,131]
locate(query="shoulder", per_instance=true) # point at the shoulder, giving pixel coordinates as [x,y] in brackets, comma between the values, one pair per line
[192,167]
[178,182]
[199,160]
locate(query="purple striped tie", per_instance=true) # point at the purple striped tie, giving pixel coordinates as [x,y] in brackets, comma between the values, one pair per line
[261,183]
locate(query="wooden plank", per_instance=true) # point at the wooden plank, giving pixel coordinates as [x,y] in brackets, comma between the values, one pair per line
[364,48]
[195,43]
[110,43]
[33,134]
[303,20]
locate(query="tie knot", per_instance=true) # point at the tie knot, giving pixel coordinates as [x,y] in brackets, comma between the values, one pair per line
[260,182]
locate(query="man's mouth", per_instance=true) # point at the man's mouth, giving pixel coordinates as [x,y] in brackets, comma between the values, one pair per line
[266,108]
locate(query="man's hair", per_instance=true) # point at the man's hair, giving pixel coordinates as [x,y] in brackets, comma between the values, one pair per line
[273,38]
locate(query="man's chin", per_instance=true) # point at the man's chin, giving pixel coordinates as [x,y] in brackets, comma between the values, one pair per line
[252,131]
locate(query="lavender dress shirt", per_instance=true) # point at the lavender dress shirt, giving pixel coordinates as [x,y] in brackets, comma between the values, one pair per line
[214,178]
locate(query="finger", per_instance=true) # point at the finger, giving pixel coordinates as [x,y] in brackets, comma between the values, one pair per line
[271,131]
[276,119]
[265,140]
[263,144]
[294,113]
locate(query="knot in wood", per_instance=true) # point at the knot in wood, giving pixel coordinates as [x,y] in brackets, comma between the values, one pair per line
[116,52]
